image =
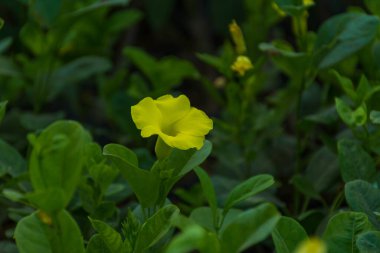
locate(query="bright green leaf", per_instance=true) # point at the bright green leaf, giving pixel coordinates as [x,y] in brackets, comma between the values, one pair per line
[97,245]
[343,35]
[287,235]
[249,228]
[247,189]
[342,231]
[194,238]
[34,236]
[155,227]
[57,158]
[109,236]
[50,200]
[369,242]
[99,4]
[355,162]
[363,197]
[143,183]
[344,111]
[346,84]
[11,162]
[208,191]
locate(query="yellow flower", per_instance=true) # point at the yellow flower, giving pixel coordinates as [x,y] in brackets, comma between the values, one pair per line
[312,245]
[241,65]
[173,119]
[237,37]
[308,2]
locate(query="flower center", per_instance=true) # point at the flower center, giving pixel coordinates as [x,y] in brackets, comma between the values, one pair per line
[170,130]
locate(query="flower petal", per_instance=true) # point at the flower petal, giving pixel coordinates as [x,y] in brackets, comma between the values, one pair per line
[146,116]
[195,123]
[183,141]
[172,109]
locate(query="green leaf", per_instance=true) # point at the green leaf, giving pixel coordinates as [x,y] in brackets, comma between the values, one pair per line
[165,73]
[38,121]
[373,6]
[204,216]
[346,84]
[291,7]
[103,175]
[3,106]
[143,183]
[197,158]
[45,12]
[363,197]
[321,179]
[208,191]
[304,185]
[342,231]
[375,117]
[360,115]
[13,195]
[142,60]
[213,61]
[99,4]
[1,23]
[344,111]
[249,228]
[50,200]
[57,158]
[30,235]
[97,245]
[343,35]
[364,89]
[5,44]
[110,237]
[194,238]
[155,227]
[369,242]
[355,162]
[76,71]
[285,58]
[247,189]
[122,20]
[11,162]
[34,236]
[287,235]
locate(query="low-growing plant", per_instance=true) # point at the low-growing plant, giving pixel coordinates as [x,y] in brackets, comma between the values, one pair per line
[291,164]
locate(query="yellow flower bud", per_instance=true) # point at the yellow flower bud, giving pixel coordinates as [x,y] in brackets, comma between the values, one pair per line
[237,37]
[241,65]
[178,124]
[312,245]
[308,2]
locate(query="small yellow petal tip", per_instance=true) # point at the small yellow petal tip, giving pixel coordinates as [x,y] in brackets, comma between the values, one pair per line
[237,37]
[308,2]
[312,245]
[241,65]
